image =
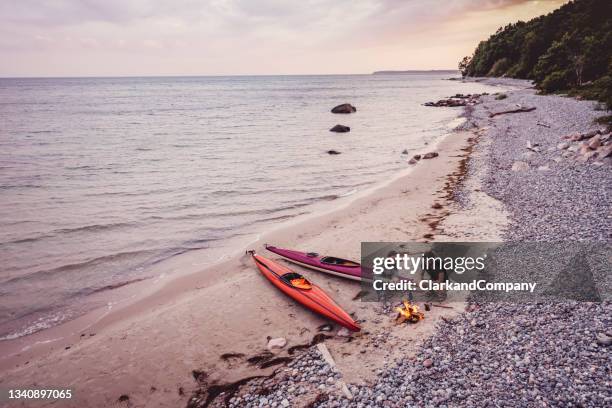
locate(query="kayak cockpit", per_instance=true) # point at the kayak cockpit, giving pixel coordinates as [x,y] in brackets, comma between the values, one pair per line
[330,260]
[296,280]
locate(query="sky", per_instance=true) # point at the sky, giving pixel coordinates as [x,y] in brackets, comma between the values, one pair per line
[244,37]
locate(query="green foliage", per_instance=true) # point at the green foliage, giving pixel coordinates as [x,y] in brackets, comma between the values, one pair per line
[600,90]
[500,67]
[463,64]
[569,49]
[555,81]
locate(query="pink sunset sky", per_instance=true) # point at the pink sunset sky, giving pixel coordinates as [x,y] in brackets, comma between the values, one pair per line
[236,37]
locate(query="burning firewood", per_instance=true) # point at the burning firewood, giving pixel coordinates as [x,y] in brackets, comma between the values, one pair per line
[408,313]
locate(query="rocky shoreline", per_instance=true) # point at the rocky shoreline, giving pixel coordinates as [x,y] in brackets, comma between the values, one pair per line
[495,353]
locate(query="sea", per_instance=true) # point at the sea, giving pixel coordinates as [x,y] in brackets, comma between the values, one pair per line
[102,179]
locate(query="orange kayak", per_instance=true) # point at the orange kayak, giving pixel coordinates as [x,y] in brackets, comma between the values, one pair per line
[303,291]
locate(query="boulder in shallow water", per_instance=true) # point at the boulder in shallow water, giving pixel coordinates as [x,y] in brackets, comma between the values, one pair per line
[430,155]
[340,129]
[333,152]
[344,108]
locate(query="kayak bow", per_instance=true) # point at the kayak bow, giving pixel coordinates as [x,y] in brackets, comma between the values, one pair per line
[301,290]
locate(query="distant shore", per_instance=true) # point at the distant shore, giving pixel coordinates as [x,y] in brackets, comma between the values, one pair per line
[417,72]
[201,330]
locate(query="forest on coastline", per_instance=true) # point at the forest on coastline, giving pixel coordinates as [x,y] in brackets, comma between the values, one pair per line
[566,51]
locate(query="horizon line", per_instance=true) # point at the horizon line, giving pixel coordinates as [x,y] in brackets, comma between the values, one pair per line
[380,72]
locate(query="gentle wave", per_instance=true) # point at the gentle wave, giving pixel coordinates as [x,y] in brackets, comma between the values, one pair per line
[84,229]
[46,273]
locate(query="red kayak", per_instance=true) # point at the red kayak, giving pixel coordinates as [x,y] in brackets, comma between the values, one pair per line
[328,264]
[300,289]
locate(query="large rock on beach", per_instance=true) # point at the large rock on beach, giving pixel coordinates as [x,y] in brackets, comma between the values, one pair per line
[595,142]
[605,151]
[344,108]
[562,145]
[520,166]
[340,129]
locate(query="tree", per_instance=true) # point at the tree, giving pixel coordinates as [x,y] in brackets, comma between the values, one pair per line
[569,49]
[464,64]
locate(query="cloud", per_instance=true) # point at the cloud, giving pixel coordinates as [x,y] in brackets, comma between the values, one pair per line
[66,12]
[219,35]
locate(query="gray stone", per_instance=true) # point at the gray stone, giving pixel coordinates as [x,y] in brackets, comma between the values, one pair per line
[277,343]
[562,145]
[520,166]
[340,129]
[344,108]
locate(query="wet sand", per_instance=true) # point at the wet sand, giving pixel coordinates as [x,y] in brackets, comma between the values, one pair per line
[148,349]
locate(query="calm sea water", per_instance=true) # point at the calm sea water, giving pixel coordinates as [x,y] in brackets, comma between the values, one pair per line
[102,178]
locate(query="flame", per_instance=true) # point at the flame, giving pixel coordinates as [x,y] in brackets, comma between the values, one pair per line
[409,313]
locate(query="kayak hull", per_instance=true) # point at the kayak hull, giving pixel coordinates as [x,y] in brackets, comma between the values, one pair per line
[316,263]
[314,298]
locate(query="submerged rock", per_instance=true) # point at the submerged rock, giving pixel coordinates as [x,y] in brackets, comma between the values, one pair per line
[430,155]
[340,129]
[344,108]
[457,100]
[333,152]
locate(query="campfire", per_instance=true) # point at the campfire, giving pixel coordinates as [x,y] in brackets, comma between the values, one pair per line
[408,313]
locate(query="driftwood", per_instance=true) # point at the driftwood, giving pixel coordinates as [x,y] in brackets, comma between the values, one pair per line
[330,361]
[519,110]
[445,307]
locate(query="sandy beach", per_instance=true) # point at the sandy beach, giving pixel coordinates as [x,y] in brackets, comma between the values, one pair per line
[201,332]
